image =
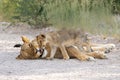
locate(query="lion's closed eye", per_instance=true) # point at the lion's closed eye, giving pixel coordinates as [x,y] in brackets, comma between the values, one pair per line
[30,45]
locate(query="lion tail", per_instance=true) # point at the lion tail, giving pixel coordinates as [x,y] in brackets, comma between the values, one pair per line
[17,45]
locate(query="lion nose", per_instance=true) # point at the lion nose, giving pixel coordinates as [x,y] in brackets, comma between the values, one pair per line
[37,50]
[41,50]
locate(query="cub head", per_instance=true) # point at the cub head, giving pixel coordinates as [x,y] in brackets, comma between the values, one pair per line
[41,39]
[29,50]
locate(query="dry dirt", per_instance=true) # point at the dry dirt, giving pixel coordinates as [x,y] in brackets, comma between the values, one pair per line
[57,69]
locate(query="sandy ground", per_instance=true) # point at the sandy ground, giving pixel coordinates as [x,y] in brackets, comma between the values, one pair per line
[57,69]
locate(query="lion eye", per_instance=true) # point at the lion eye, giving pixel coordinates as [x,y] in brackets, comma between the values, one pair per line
[30,45]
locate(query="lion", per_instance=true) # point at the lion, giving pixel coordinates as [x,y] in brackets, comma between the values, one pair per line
[61,39]
[29,50]
[68,43]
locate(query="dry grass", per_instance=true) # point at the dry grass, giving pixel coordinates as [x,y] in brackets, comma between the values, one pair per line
[94,16]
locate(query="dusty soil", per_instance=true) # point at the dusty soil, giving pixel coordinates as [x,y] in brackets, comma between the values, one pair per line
[57,69]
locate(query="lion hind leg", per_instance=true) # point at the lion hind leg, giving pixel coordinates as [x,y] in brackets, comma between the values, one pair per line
[76,52]
[99,55]
[103,47]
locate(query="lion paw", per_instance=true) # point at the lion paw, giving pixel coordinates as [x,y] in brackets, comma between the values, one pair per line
[104,56]
[66,58]
[49,58]
[91,59]
[107,51]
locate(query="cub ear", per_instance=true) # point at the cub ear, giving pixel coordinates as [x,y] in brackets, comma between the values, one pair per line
[25,39]
[41,36]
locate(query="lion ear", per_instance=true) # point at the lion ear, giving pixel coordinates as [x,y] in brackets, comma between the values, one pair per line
[41,36]
[25,39]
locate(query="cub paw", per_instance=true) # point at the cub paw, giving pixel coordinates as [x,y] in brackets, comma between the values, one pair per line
[49,58]
[66,58]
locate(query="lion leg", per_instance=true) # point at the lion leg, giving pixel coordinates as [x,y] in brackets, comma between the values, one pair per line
[103,47]
[52,53]
[98,55]
[76,52]
[89,49]
[98,49]
[64,52]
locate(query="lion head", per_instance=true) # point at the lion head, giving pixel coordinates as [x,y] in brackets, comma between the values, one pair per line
[29,50]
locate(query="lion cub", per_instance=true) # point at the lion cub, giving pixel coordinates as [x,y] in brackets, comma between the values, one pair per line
[60,39]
